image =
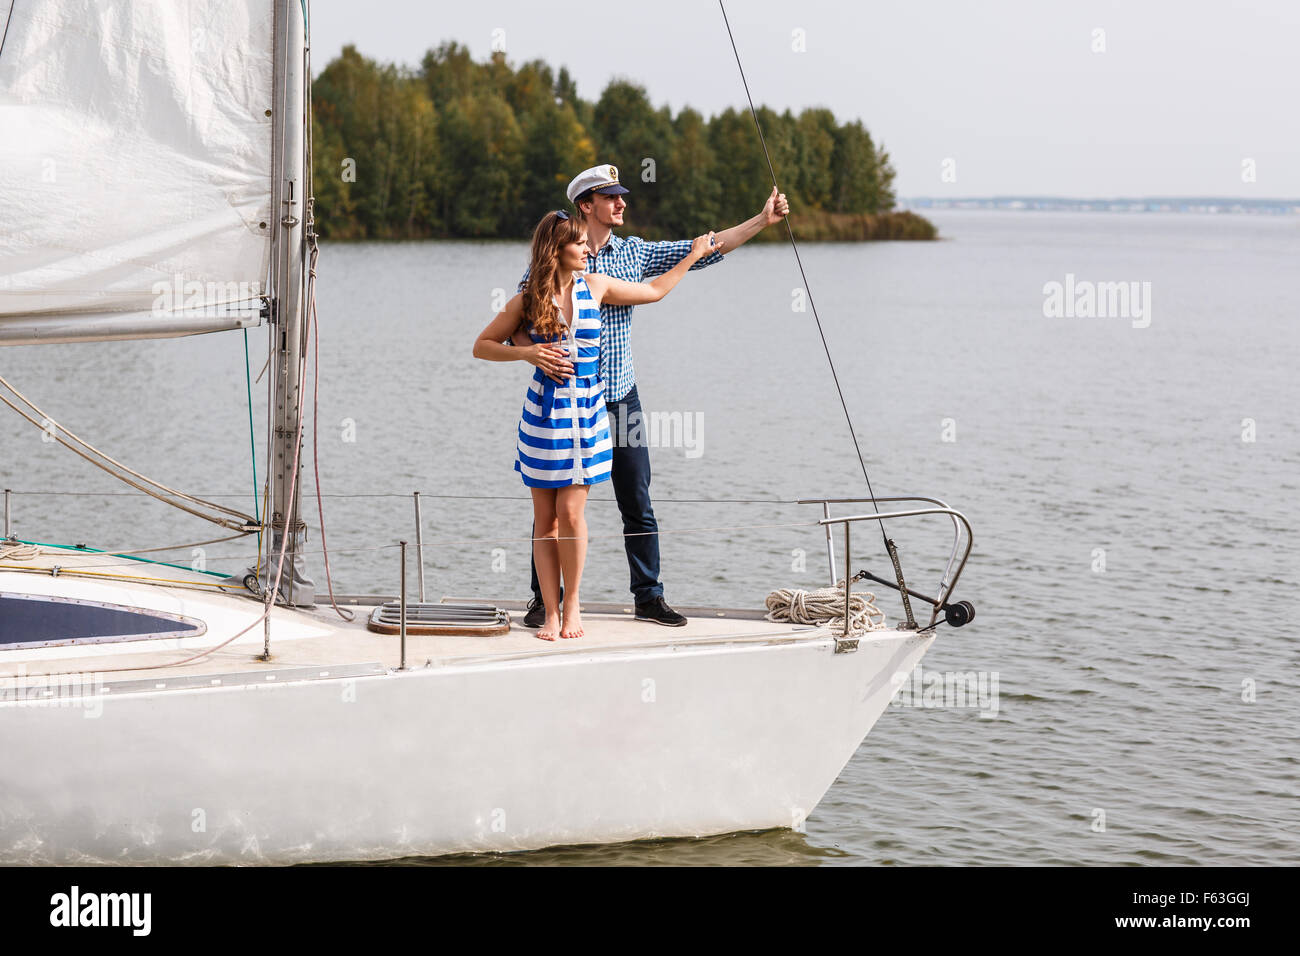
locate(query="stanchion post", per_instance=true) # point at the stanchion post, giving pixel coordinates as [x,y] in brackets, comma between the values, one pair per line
[419,545]
[403,614]
[830,544]
[848,580]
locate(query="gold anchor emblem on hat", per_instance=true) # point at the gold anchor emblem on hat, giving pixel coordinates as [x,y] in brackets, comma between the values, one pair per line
[613,173]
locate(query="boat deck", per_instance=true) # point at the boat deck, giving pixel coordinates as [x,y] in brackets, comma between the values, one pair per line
[315,641]
[605,625]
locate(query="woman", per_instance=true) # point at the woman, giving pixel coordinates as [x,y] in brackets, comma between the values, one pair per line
[560,455]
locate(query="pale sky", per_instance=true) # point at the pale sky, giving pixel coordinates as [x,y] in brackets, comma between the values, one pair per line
[1184,96]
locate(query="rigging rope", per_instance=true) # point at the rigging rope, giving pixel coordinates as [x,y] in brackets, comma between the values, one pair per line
[243,522]
[129,552]
[5,36]
[315,413]
[269,602]
[109,576]
[890,547]
[18,552]
[309,232]
[807,289]
[252,445]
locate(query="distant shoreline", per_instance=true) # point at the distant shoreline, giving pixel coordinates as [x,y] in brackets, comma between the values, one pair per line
[1202,205]
[816,225]
[899,225]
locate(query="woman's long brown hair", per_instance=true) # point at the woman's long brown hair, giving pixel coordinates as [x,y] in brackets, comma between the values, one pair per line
[543,286]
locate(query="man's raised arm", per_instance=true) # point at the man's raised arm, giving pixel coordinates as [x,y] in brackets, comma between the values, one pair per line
[662,256]
[774,210]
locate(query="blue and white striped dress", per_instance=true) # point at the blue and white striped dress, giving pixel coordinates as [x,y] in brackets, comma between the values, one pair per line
[557,448]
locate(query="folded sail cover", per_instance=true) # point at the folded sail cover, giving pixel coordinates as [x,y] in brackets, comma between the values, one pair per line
[135,167]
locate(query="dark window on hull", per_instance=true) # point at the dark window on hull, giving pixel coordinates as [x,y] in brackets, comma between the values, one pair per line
[33,620]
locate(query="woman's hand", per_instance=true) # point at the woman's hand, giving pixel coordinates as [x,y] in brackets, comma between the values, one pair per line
[705,245]
[550,358]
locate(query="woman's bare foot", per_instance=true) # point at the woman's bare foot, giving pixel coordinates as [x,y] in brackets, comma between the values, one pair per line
[572,621]
[551,628]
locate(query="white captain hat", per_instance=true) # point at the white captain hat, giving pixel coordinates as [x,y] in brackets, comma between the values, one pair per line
[598,179]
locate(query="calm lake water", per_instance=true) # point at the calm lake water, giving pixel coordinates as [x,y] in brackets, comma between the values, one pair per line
[1130,480]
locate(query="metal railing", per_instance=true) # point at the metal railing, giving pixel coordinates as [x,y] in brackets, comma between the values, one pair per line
[962,541]
[957,558]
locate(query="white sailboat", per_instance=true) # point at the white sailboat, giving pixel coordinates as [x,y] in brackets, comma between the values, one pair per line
[153,713]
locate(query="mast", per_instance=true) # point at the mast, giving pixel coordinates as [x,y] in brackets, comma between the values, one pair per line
[288,316]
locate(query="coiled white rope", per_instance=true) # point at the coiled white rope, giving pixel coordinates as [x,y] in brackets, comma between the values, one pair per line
[18,552]
[825,606]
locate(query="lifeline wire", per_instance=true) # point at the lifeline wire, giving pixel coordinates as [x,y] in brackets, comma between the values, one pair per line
[795,246]
[428,494]
[385,547]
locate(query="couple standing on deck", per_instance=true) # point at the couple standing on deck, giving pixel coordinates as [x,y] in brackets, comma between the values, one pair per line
[572,319]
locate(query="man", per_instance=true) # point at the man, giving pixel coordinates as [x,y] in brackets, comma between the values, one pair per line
[597,195]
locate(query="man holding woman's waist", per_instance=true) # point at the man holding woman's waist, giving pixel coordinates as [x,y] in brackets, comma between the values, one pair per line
[557,303]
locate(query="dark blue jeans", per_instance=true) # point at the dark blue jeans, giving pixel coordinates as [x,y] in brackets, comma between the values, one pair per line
[630,476]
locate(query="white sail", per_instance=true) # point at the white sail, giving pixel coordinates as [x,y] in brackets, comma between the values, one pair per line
[135,167]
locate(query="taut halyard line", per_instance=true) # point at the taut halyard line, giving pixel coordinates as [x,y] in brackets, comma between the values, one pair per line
[889,544]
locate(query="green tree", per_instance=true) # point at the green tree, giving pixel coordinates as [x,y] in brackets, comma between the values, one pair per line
[744,175]
[629,131]
[861,178]
[465,148]
[884,169]
[530,89]
[482,149]
[690,180]
[449,72]
[782,134]
[556,148]
[334,209]
[566,89]
[815,145]
[377,119]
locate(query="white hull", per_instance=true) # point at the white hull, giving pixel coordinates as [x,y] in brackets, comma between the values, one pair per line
[517,753]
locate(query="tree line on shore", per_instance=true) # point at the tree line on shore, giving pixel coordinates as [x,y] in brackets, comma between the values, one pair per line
[462,149]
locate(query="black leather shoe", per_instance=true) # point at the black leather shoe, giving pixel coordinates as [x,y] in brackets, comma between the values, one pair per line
[658,611]
[536,615]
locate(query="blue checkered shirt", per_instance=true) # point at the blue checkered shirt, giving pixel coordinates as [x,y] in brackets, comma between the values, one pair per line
[632,259]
